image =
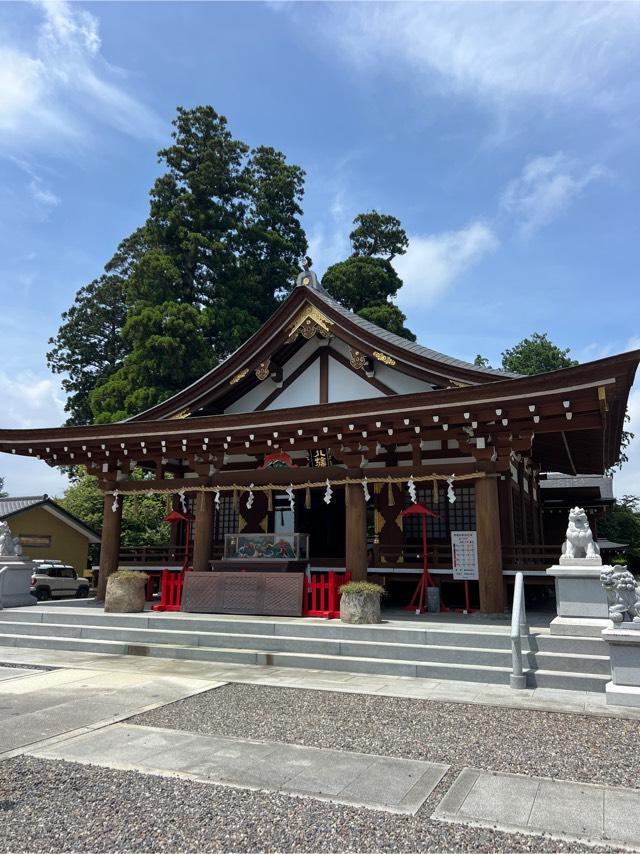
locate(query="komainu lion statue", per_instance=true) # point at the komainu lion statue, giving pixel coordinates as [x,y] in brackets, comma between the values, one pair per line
[623,596]
[579,542]
[8,545]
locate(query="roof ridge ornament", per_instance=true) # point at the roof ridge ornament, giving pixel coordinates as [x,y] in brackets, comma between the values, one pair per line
[307,278]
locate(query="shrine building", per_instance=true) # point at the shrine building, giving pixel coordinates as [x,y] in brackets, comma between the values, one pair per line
[322,428]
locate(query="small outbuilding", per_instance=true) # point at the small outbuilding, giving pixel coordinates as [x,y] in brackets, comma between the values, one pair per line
[48,531]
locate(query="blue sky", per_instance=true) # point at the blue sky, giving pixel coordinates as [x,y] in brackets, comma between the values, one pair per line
[504,136]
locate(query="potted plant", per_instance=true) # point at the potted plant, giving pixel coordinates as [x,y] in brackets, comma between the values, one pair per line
[126,592]
[360,602]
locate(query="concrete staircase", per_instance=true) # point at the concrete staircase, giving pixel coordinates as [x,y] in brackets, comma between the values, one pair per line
[437,649]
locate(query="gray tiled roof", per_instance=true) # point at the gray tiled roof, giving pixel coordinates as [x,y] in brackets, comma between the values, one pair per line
[8,506]
[410,346]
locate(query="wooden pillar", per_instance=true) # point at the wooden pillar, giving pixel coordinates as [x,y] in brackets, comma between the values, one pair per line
[203,533]
[356,531]
[492,598]
[110,545]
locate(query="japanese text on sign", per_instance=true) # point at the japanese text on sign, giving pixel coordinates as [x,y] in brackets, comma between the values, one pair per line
[464,548]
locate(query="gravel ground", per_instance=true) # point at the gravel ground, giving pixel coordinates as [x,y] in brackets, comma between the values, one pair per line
[571,747]
[16,665]
[61,806]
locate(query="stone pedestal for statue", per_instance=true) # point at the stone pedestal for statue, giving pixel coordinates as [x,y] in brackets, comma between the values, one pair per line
[622,636]
[624,650]
[15,583]
[581,603]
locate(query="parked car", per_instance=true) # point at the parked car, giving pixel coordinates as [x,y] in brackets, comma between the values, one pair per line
[54,579]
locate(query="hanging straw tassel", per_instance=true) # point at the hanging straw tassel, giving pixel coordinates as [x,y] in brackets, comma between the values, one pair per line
[169,503]
[136,503]
[235,500]
[390,497]
[269,500]
[307,499]
[436,492]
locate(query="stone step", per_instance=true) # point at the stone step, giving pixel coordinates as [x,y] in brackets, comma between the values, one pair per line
[430,652]
[448,634]
[476,670]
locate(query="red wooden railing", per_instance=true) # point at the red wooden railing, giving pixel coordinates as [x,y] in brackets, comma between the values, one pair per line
[170,591]
[321,597]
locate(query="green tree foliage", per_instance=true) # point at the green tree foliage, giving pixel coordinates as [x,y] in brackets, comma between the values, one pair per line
[536,355]
[89,346]
[366,281]
[215,255]
[378,235]
[622,525]
[142,515]
[481,361]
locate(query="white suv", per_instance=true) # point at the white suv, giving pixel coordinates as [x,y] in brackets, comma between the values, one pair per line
[53,578]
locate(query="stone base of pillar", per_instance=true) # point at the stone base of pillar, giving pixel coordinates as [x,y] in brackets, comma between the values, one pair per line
[581,627]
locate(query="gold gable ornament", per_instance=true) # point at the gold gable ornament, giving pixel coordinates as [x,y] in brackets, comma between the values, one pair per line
[239,376]
[382,357]
[310,321]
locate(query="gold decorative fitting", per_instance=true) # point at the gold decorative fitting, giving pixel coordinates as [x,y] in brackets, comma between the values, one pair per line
[456,384]
[382,357]
[309,322]
[185,413]
[263,370]
[239,376]
[358,360]
[306,280]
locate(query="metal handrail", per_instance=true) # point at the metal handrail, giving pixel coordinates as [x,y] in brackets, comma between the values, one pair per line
[3,572]
[518,679]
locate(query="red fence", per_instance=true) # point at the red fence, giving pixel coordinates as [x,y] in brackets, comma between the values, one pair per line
[321,596]
[170,591]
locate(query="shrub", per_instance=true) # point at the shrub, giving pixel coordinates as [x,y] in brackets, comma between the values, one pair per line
[362,587]
[129,573]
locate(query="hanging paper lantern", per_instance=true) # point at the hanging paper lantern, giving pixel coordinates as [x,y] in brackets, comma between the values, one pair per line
[411,486]
[450,493]
[328,493]
[365,489]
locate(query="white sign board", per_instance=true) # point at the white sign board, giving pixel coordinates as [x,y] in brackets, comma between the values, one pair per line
[464,548]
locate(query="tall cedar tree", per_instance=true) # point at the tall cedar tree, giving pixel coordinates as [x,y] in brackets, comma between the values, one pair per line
[366,281]
[217,252]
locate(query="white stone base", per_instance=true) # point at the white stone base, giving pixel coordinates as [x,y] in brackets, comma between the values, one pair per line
[579,593]
[595,561]
[581,627]
[15,584]
[622,695]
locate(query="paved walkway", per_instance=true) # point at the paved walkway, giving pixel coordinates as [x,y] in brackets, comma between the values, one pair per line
[38,705]
[444,690]
[510,802]
[360,779]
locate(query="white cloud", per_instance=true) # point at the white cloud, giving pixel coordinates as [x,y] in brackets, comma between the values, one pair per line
[329,240]
[495,52]
[434,261]
[54,90]
[30,400]
[41,195]
[546,187]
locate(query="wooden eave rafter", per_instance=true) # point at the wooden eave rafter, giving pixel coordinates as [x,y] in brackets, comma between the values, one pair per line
[541,408]
[273,340]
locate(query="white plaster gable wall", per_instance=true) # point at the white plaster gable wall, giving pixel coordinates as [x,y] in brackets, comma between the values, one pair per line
[399,382]
[303,391]
[344,384]
[254,397]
